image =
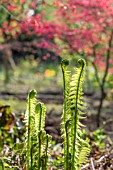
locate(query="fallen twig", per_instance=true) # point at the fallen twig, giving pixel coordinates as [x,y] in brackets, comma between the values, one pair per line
[92,162]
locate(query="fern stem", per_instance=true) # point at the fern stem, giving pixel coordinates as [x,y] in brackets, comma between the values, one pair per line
[40,117]
[66,141]
[2,164]
[67,146]
[46,156]
[64,116]
[43,166]
[40,132]
[75,117]
[31,156]
[29,137]
[39,150]
[65,132]
[64,95]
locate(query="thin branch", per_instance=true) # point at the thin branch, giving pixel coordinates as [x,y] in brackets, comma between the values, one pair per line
[94,65]
[96,74]
[85,166]
[5,9]
[92,164]
[107,59]
[101,159]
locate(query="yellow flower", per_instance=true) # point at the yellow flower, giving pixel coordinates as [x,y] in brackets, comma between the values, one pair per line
[49,73]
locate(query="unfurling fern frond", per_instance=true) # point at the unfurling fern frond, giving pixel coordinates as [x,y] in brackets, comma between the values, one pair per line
[30,125]
[36,138]
[42,137]
[76,148]
[40,111]
[66,117]
[73,109]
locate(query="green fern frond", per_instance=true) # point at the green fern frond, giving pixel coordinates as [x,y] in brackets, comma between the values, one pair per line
[30,125]
[66,117]
[40,111]
[76,149]
[36,137]
[74,144]
[42,138]
[76,96]
[84,151]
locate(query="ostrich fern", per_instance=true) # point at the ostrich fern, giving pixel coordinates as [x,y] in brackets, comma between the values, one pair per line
[76,148]
[36,137]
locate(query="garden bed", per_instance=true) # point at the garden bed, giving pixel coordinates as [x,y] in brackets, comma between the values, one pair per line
[98,159]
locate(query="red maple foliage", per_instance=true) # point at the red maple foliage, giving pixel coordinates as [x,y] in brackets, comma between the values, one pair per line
[27,24]
[88,27]
[84,26]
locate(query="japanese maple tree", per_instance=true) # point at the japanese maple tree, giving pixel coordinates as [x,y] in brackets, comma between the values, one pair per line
[88,31]
[25,29]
